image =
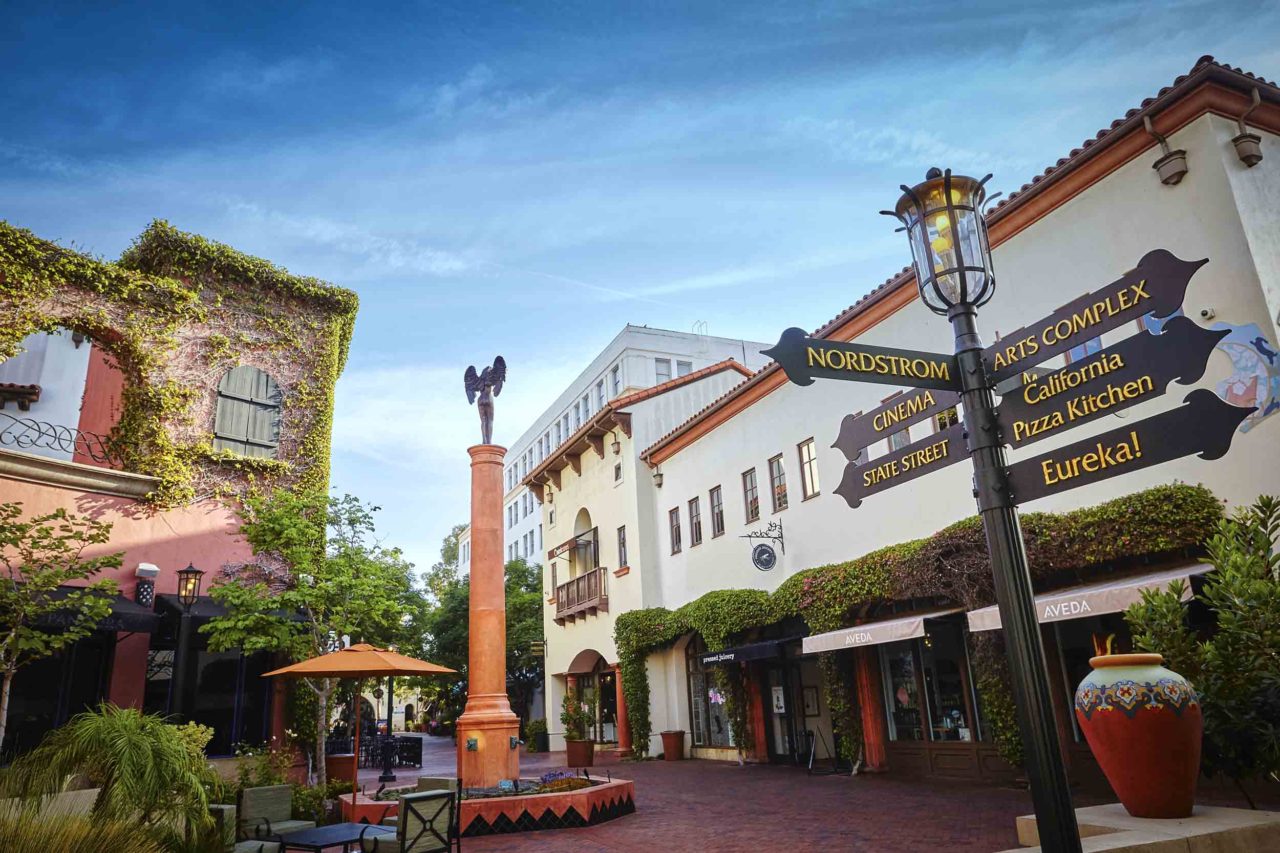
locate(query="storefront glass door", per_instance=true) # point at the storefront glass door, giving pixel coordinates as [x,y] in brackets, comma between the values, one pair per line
[947,682]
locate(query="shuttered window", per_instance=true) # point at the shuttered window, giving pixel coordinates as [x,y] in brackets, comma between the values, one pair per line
[248,417]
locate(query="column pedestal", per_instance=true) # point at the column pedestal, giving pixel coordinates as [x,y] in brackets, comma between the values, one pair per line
[487,726]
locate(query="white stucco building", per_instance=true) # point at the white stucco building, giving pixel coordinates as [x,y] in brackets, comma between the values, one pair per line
[762,452]
[638,357]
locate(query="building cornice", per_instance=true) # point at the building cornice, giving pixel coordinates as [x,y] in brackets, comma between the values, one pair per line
[30,468]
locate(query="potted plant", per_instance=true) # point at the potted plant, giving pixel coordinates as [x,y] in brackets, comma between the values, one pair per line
[536,737]
[578,716]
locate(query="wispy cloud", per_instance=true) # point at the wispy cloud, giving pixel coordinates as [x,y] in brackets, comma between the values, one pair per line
[378,251]
[238,74]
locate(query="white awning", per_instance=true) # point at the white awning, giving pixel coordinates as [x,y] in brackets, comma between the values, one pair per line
[1110,596]
[872,633]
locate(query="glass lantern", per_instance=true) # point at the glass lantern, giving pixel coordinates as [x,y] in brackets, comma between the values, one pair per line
[943,218]
[189,585]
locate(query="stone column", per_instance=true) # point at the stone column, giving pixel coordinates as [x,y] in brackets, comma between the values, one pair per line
[623,724]
[870,696]
[488,721]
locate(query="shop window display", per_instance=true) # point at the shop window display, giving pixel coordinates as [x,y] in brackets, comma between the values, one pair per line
[947,682]
[902,690]
[708,718]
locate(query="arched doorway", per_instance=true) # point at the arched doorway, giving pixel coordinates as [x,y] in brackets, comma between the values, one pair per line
[596,681]
[585,555]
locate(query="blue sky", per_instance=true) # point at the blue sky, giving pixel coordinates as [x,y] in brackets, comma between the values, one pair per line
[524,178]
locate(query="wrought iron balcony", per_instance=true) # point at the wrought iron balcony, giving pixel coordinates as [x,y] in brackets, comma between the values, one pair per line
[38,437]
[582,596]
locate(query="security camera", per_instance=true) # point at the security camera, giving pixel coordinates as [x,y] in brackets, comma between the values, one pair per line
[1207,314]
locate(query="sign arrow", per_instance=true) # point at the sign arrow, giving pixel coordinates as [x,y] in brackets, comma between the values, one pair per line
[902,465]
[804,359]
[1156,286]
[1133,371]
[859,431]
[1204,424]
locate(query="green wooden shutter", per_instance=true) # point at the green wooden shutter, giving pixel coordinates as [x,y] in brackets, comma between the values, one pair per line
[247,420]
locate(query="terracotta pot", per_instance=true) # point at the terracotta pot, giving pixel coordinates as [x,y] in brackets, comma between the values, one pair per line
[673,745]
[579,753]
[1143,723]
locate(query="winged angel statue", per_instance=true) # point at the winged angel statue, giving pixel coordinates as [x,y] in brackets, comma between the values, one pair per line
[486,385]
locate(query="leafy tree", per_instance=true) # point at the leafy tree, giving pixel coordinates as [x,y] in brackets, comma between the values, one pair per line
[1236,669]
[38,556]
[318,559]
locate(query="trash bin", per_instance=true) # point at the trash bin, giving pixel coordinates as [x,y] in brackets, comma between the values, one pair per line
[673,745]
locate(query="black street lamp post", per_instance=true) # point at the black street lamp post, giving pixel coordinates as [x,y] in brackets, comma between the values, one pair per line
[389,745]
[943,217]
[188,593]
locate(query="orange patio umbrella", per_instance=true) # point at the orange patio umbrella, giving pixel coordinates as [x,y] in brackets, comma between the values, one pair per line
[359,661]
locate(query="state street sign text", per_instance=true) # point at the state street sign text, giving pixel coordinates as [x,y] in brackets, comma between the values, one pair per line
[902,465]
[1204,424]
[1133,371]
[1156,286]
[805,359]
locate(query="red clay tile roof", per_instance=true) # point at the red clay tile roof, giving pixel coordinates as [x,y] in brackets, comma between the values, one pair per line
[1205,67]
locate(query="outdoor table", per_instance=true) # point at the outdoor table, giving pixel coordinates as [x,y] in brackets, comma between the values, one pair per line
[335,835]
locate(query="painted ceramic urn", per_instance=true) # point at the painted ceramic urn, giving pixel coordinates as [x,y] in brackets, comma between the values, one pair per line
[1143,723]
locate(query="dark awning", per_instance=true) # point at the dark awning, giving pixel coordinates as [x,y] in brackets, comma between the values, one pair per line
[755,651]
[206,608]
[125,615]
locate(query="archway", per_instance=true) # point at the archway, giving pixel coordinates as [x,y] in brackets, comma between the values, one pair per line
[585,554]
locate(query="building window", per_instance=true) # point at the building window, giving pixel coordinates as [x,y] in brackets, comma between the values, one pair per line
[622,547]
[708,716]
[751,495]
[600,395]
[577,415]
[695,523]
[551,517]
[617,472]
[717,512]
[946,419]
[559,435]
[899,439]
[1084,350]
[615,379]
[586,406]
[673,519]
[684,368]
[565,422]
[928,686]
[808,470]
[778,483]
[662,368]
[247,420]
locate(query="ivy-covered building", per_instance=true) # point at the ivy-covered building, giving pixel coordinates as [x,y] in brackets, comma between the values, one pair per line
[868,632]
[154,393]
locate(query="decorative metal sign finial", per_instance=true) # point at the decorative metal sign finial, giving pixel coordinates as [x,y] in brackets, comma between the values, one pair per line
[486,385]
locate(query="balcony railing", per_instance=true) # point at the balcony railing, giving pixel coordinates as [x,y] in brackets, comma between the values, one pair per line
[40,438]
[581,596]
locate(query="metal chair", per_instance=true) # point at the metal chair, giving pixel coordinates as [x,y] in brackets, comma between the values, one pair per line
[428,823]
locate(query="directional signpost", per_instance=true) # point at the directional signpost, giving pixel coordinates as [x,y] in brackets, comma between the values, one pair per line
[1133,371]
[1036,404]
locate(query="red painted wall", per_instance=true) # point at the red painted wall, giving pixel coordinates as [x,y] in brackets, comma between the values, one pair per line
[204,534]
[100,405]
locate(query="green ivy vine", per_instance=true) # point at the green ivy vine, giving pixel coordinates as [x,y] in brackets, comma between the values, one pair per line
[1063,548]
[177,300]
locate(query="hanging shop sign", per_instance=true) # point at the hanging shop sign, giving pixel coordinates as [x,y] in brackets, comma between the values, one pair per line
[860,431]
[1204,424]
[804,359]
[1133,371]
[902,465]
[1156,286]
